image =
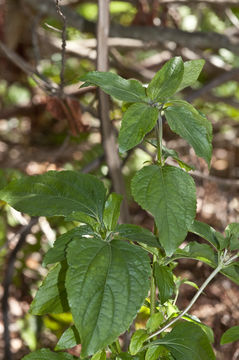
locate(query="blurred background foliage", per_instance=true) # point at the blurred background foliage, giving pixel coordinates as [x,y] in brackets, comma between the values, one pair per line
[42,129]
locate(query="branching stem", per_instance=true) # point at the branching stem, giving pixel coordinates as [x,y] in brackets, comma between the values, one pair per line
[196,296]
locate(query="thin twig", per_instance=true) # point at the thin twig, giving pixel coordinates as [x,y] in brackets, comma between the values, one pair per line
[219,80]
[63,46]
[6,284]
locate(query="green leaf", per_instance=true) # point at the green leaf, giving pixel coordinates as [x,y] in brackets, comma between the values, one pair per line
[138,120]
[154,322]
[187,122]
[137,341]
[46,354]
[232,272]
[232,234]
[194,250]
[106,284]
[83,218]
[166,81]
[57,252]
[57,193]
[136,233]
[208,331]
[164,280]
[230,335]
[116,86]
[187,341]
[112,211]
[205,253]
[153,353]
[51,296]
[100,355]
[192,71]
[68,339]
[169,194]
[208,233]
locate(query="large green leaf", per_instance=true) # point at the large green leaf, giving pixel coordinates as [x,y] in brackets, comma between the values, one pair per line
[68,339]
[169,194]
[138,120]
[192,70]
[106,284]
[112,211]
[187,122]
[57,252]
[230,335]
[51,296]
[57,193]
[116,86]
[187,341]
[165,83]
[208,233]
[136,233]
[164,280]
[46,354]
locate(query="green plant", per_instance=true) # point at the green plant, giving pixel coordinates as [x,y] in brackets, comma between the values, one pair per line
[103,271]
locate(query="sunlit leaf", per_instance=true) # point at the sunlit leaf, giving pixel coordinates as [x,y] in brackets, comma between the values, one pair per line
[192,71]
[116,86]
[57,193]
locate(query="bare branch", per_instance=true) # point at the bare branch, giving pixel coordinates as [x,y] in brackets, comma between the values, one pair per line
[226,76]
[17,60]
[108,135]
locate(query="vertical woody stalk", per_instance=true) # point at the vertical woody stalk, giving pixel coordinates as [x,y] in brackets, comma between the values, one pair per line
[108,135]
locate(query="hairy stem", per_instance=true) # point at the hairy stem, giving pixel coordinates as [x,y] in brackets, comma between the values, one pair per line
[159,132]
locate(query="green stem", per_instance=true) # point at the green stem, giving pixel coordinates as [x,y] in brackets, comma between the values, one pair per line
[117,343]
[152,291]
[159,132]
[194,299]
[152,283]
